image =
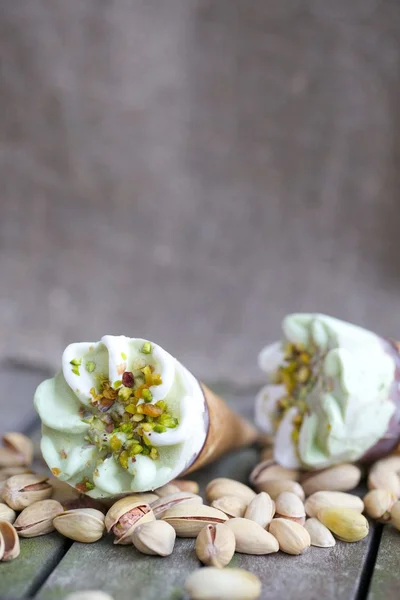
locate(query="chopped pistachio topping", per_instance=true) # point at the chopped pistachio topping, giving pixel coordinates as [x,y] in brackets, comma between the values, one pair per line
[122,414]
[146,348]
[123,356]
[76,361]
[75,369]
[85,485]
[90,366]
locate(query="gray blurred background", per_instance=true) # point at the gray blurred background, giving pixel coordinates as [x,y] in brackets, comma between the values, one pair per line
[192,170]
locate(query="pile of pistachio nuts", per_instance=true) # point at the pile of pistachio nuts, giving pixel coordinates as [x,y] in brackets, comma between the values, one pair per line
[283,510]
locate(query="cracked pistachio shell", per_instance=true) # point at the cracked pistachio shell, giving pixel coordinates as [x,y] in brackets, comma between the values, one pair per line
[7,513]
[347,524]
[378,504]
[22,490]
[319,534]
[125,515]
[167,490]
[328,499]
[251,538]
[289,506]
[187,485]
[161,505]
[340,478]
[210,583]
[189,519]
[81,525]
[9,542]
[268,470]
[230,505]
[223,486]
[395,515]
[215,545]
[156,538]
[261,509]
[37,519]
[17,451]
[293,538]
[382,477]
[274,487]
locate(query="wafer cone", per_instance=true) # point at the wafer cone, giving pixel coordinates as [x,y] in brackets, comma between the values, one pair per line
[227,431]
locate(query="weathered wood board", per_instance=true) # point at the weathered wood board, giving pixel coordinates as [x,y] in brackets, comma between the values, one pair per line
[385,583]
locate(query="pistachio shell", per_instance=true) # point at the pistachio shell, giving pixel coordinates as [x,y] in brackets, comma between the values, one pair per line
[189,519]
[392,463]
[125,515]
[156,538]
[347,524]
[7,513]
[37,519]
[17,451]
[8,472]
[269,470]
[261,509]
[381,477]
[167,490]
[161,505]
[22,490]
[340,478]
[328,499]
[289,506]
[251,538]
[230,505]
[274,487]
[293,538]
[9,542]
[186,485]
[378,504]
[223,486]
[82,525]
[215,545]
[319,534]
[210,583]
[395,515]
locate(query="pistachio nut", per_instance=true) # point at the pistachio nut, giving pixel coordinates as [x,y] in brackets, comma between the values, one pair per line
[210,583]
[161,505]
[89,595]
[251,538]
[186,485]
[293,538]
[378,504]
[381,477]
[22,490]
[274,487]
[391,462]
[340,478]
[261,509]
[125,515]
[189,519]
[156,538]
[17,451]
[230,505]
[289,506]
[167,490]
[269,470]
[9,542]
[37,519]
[328,499]
[8,472]
[347,524]
[395,515]
[82,525]
[7,513]
[223,486]
[319,534]
[215,545]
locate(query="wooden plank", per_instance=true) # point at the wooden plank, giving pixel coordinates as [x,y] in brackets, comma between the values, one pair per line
[125,573]
[386,579]
[22,577]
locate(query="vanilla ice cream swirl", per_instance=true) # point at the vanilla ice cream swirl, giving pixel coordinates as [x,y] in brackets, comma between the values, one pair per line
[330,392]
[122,415]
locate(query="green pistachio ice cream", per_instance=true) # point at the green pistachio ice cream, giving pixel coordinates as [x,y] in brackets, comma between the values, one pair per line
[121,416]
[332,392]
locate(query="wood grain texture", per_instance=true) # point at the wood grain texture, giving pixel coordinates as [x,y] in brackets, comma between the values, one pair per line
[386,579]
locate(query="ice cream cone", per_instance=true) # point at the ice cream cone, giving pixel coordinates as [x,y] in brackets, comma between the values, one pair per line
[227,431]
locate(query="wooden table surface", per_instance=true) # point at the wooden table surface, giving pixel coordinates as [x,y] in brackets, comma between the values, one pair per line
[50,567]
